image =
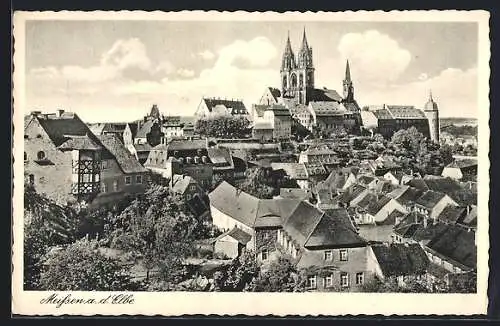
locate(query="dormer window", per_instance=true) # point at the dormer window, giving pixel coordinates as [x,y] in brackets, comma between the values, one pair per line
[41,155]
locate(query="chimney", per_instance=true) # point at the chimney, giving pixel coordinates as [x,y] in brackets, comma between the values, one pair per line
[59,113]
[468,209]
[425,222]
[35,113]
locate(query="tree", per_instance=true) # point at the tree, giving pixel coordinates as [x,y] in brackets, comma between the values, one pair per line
[282,276]
[408,139]
[239,275]
[256,183]
[223,127]
[160,227]
[82,267]
[391,285]
[378,138]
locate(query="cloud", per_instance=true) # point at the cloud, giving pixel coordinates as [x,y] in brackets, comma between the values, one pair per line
[455,91]
[423,76]
[239,71]
[257,52]
[375,58]
[207,55]
[188,73]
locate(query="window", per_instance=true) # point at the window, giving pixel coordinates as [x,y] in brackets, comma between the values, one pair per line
[128,180]
[138,179]
[328,255]
[40,155]
[360,278]
[25,157]
[32,179]
[188,197]
[192,187]
[264,254]
[343,255]
[115,185]
[329,281]
[311,282]
[344,279]
[104,187]
[105,164]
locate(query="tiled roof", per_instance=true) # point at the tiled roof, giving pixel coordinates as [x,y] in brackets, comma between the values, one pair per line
[336,180]
[238,235]
[391,218]
[335,230]
[144,129]
[382,114]
[295,193]
[350,194]
[405,112]
[324,94]
[315,169]
[457,244]
[430,199]
[409,196]
[327,108]
[431,231]
[452,214]
[143,147]
[180,183]
[300,224]
[80,142]
[68,124]
[408,230]
[401,259]
[295,171]
[97,128]
[272,212]
[125,160]
[276,93]
[182,144]
[235,203]
[376,206]
[279,110]
[471,218]
[445,185]
[220,156]
[237,107]
[365,179]
[352,106]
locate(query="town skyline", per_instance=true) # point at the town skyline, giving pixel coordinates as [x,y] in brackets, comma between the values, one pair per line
[106,69]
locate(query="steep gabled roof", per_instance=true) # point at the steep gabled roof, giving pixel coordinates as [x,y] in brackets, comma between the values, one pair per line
[182,144]
[236,106]
[302,222]
[180,183]
[237,234]
[295,171]
[430,199]
[456,244]
[405,112]
[60,128]
[80,143]
[335,230]
[452,214]
[125,159]
[401,259]
[324,94]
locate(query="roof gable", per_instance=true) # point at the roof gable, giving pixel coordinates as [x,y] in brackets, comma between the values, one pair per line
[401,259]
[125,159]
[302,222]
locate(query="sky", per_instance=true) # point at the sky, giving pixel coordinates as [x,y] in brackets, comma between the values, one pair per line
[116,70]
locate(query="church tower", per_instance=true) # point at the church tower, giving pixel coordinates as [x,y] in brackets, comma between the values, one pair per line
[432,113]
[297,74]
[348,88]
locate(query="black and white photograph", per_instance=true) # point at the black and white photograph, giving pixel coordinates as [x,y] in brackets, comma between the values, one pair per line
[299,154]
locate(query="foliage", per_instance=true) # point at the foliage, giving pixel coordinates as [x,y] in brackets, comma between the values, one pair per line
[408,139]
[299,131]
[82,267]
[161,228]
[391,285]
[223,127]
[256,183]
[239,275]
[459,131]
[281,276]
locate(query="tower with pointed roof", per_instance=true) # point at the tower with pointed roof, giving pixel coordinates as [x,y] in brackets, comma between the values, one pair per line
[297,73]
[432,113]
[348,88]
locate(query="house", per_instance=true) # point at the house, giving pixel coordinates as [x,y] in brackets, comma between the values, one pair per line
[222,162]
[388,119]
[121,173]
[326,244]
[432,203]
[403,262]
[436,183]
[276,117]
[149,130]
[125,131]
[217,107]
[271,96]
[406,196]
[172,127]
[185,186]
[452,214]
[66,161]
[294,171]
[263,131]
[295,193]
[330,116]
[232,243]
[185,157]
[140,151]
[303,115]
[321,154]
[349,195]
[398,178]
[461,170]
[454,250]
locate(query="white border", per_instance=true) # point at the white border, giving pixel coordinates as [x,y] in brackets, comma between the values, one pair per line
[180,303]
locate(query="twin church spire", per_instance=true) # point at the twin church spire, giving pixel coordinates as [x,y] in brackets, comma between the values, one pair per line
[297,73]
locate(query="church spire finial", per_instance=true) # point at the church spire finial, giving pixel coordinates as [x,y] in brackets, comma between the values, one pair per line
[430,95]
[305,46]
[347,72]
